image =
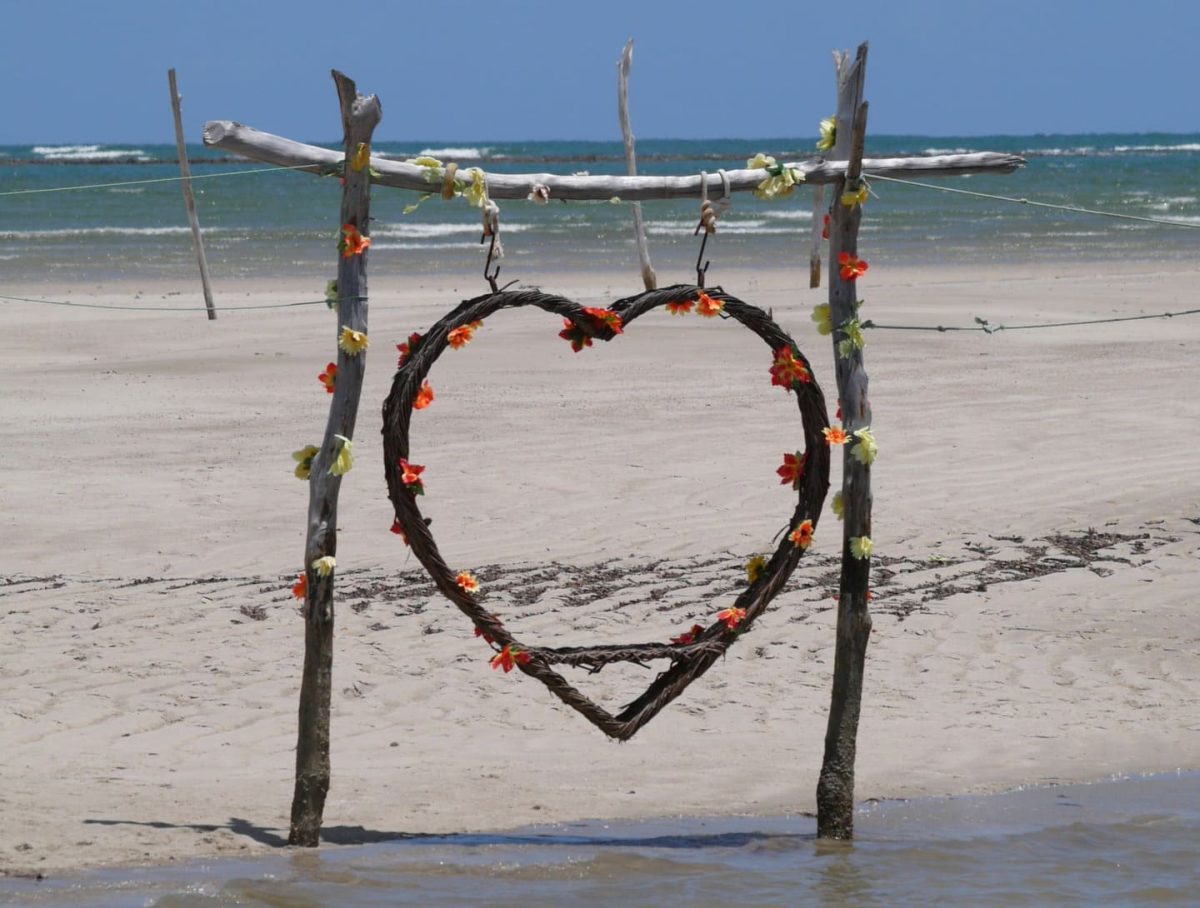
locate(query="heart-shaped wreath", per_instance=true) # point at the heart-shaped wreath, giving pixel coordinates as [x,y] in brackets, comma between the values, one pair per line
[693,653]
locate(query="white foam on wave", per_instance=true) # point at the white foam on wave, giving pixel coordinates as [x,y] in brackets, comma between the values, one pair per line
[462,154]
[787,214]
[685,228]
[99,231]
[419,231]
[88,153]
[946,151]
[376,247]
[1184,147]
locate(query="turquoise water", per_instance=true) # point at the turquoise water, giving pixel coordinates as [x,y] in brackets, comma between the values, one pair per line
[1125,843]
[284,224]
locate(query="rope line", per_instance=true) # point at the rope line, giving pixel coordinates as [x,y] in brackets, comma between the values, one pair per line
[203,176]
[26,299]
[987,328]
[1036,204]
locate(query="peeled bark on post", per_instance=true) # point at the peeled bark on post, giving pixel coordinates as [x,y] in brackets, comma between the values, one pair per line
[835,789]
[639,226]
[359,118]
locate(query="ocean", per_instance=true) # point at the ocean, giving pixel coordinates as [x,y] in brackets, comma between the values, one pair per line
[274,224]
[1128,842]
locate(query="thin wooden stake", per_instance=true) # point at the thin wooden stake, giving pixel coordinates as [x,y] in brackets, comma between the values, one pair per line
[639,226]
[835,789]
[189,201]
[818,227]
[359,118]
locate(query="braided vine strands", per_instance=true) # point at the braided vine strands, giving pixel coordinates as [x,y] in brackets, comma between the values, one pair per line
[687,662]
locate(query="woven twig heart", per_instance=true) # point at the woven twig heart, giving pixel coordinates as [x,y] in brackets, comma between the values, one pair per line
[688,661]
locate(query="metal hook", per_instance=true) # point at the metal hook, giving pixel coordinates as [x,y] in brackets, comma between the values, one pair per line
[702,270]
[489,275]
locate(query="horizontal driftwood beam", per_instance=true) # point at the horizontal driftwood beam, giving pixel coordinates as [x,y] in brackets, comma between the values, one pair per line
[262,146]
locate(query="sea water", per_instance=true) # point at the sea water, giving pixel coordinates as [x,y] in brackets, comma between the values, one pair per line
[1117,843]
[274,223]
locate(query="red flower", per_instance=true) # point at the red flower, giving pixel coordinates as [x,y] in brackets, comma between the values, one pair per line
[576,336]
[787,371]
[605,317]
[688,636]
[352,242]
[792,470]
[508,658]
[484,634]
[707,306]
[825,228]
[680,307]
[424,396]
[802,536]
[300,587]
[329,377]
[399,530]
[408,348]
[852,267]
[732,617]
[411,474]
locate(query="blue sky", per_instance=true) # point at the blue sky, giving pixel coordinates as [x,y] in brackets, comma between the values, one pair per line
[532,69]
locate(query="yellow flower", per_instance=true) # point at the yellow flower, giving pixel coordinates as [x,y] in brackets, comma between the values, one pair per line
[361,157]
[861,546]
[476,192]
[351,341]
[820,315]
[345,457]
[754,567]
[828,134]
[324,566]
[855,197]
[433,167]
[839,505]
[864,449]
[304,458]
[760,162]
[782,180]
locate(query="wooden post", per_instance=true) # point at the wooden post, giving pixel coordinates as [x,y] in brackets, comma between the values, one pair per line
[639,226]
[835,789]
[189,201]
[359,118]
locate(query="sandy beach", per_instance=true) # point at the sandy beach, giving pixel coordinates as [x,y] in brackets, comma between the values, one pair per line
[1036,524]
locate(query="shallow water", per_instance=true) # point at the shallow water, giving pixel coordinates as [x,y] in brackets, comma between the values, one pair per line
[272,223]
[1129,842]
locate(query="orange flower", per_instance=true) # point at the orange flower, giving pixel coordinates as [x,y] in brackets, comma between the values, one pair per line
[399,530]
[300,587]
[508,658]
[408,348]
[835,436]
[329,377]
[411,474]
[709,307]
[467,582]
[852,267]
[825,228]
[605,317]
[424,396]
[802,536]
[461,336]
[787,371]
[792,470]
[688,636]
[680,307]
[352,242]
[732,617]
